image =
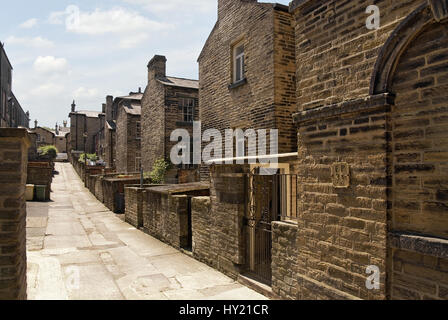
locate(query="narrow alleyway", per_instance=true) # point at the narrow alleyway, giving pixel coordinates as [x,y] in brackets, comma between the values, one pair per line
[78,249]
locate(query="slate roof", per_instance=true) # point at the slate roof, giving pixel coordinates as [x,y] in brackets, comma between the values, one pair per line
[133,109]
[135,96]
[89,114]
[179,82]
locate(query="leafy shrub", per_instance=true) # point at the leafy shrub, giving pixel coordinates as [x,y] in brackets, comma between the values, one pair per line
[157,175]
[90,156]
[49,151]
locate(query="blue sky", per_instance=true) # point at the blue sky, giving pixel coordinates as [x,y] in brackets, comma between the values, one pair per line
[106,54]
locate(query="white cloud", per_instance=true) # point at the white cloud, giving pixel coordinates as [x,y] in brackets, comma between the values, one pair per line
[82,92]
[47,90]
[36,42]
[191,6]
[130,27]
[50,64]
[29,23]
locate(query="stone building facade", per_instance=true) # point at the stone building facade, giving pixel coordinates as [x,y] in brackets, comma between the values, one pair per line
[44,137]
[11,112]
[374,102]
[84,123]
[129,136]
[262,94]
[13,175]
[370,118]
[168,103]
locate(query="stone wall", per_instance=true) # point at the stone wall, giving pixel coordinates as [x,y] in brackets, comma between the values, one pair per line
[218,237]
[335,52]
[113,191]
[134,206]
[284,260]
[162,114]
[165,217]
[372,151]
[41,173]
[13,174]
[418,267]
[128,145]
[266,98]
[202,223]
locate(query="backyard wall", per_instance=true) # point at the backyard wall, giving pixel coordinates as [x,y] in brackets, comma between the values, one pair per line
[14,145]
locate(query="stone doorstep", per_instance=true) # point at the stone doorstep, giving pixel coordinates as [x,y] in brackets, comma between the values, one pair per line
[259,287]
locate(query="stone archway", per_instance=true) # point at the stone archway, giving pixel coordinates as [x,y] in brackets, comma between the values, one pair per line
[413,66]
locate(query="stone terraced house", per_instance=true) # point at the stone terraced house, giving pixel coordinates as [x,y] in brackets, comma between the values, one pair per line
[11,112]
[168,103]
[366,194]
[84,127]
[129,135]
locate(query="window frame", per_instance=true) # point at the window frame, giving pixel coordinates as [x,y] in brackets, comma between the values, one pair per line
[238,75]
[188,109]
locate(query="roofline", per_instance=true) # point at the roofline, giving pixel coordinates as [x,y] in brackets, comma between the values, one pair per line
[275,6]
[45,130]
[2,45]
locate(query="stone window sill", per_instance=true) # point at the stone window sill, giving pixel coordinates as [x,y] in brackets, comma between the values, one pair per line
[432,246]
[238,84]
[184,124]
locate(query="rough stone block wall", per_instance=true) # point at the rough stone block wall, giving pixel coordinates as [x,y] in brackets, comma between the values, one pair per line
[420,137]
[227,194]
[267,99]
[40,173]
[335,52]
[343,230]
[202,227]
[134,206]
[99,188]
[13,171]
[284,260]
[418,276]
[153,124]
[165,217]
[113,191]
[174,117]
[395,149]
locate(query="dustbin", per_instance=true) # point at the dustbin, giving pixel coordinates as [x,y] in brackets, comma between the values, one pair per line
[29,192]
[40,193]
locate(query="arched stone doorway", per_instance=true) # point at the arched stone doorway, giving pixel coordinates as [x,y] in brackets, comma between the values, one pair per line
[413,66]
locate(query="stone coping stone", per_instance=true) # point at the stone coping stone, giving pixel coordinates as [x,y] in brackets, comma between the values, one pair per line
[427,245]
[180,188]
[15,133]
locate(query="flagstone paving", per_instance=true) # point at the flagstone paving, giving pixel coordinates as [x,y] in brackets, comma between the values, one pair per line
[78,249]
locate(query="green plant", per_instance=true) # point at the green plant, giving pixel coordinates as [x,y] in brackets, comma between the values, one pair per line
[49,151]
[157,175]
[90,156]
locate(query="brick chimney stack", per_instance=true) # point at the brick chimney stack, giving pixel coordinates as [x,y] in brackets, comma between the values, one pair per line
[35,124]
[157,67]
[109,106]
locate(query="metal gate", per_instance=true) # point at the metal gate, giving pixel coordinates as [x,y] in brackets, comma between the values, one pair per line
[271,197]
[262,210]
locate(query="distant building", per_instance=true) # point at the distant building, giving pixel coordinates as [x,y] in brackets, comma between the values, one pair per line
[247,72]
[84,126]
[61,137]
[168,103]
[11,112]
[129,156]
[44,136]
